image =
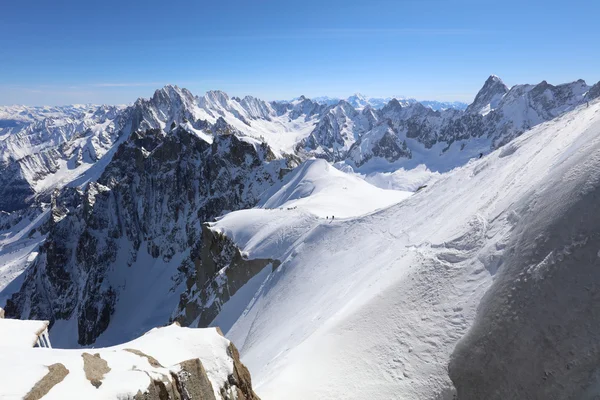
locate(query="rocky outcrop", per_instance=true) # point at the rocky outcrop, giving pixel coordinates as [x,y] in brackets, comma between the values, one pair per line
[56,373]
[199,364]
[240,379]
[219,271]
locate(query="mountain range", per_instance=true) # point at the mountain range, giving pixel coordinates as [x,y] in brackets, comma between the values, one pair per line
[253,216]
[360,101]
[46,148]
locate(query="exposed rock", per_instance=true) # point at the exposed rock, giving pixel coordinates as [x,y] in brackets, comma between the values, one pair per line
[241,376]
[151,360]
[95,368]
[192,381]
[56,373]
[220,271]
[488,98]
[160,389]
[135,372]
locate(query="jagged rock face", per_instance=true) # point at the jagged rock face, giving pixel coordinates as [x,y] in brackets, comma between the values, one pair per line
[488,98]
[14,188]
[339,128]
[219,270]
[151,199]
[69,141]
[536,333]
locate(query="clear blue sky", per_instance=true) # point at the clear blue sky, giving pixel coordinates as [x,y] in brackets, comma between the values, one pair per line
[59,52]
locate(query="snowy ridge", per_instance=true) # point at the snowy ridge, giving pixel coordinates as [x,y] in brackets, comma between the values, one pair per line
[21,234]
[382,299]
[322,190]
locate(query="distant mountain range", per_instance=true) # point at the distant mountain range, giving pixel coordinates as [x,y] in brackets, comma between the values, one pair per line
[360,101]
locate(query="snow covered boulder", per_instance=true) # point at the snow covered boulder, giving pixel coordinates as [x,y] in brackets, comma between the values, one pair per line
[166,363]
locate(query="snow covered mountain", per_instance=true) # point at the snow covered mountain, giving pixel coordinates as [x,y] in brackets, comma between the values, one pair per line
[144,212]
[406,134]
[413,135]
[12,118]
[212,210]
[337,130]
[382,298]
[42,149]
[62,148]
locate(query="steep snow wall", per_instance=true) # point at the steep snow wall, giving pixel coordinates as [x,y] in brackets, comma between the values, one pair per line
[537,331]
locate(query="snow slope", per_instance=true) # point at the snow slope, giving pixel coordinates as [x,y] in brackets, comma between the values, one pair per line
[308,197]
[19,244]
[372,306]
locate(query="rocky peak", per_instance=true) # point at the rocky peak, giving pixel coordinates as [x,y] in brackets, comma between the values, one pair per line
[345,107]
[172,93]
[358,100]
[489,96]
[256,108]
[215,97]
[392,106]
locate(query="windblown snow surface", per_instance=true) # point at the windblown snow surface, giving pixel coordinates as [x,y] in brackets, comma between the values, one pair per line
[371,306]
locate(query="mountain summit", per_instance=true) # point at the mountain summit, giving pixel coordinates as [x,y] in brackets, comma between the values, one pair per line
[489,96]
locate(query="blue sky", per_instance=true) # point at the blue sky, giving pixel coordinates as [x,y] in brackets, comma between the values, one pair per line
[59,52]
